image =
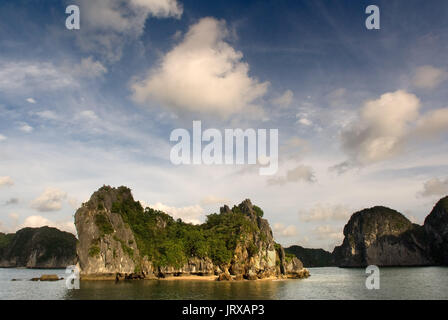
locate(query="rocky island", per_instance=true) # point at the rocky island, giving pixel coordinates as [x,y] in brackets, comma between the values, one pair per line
[384,237]
[119,239]
[40,248]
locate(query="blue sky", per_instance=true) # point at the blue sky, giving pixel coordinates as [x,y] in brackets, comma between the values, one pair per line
[362,114]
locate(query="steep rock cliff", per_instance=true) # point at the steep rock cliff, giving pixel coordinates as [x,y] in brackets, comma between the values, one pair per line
[383,237]
[117,237]
[436,228]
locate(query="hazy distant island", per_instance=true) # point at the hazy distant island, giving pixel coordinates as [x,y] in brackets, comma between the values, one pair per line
[119,239]
[311,257]
[40,248]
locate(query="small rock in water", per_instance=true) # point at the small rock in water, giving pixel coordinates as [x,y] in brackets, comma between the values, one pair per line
[47,277]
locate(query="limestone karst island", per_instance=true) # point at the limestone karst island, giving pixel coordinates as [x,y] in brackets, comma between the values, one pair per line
[118,239]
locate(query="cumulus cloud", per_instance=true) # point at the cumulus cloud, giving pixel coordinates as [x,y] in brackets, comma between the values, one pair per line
[189,214]
[432,123]
[385,125]
[203,73]
[39,221]
[108,25]
[381,128]
[284,100]
[2,138]
[326,213]
[50,200]
[299,173]
[211,199]
[30,100]
[435,187]
[6,182]
[284,231]
[429,77]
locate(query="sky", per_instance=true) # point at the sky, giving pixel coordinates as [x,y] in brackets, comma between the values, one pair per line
[362,115]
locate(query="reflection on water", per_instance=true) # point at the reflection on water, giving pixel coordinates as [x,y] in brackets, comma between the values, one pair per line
[324,283]
[177,289]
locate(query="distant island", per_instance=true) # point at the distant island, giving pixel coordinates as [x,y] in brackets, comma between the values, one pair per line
[119,239]
[42,248]
[384,237]
[312,258]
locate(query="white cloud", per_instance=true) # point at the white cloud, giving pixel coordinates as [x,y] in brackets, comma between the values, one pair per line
[87,115]
[305,121]
[299,173]
[108,25]
[211,199]
[190,214]
[47,114]
[89,68]
[30,100]
[284,231]
[387,124]
[6,181]
[39,221]
[429,77]
[203,73]
[381,128]
[328,232]
[26,128]
[435,187]
[285,99]
[2,137]
[326,213]
[432,123]
[30,75]
[50,200]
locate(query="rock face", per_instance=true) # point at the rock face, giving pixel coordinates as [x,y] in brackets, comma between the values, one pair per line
[382,237]
[436,228]
[43,247]
[120,239]
[312,257]
[106,244]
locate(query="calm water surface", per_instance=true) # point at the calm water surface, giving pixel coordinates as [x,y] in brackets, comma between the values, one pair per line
[324,283]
